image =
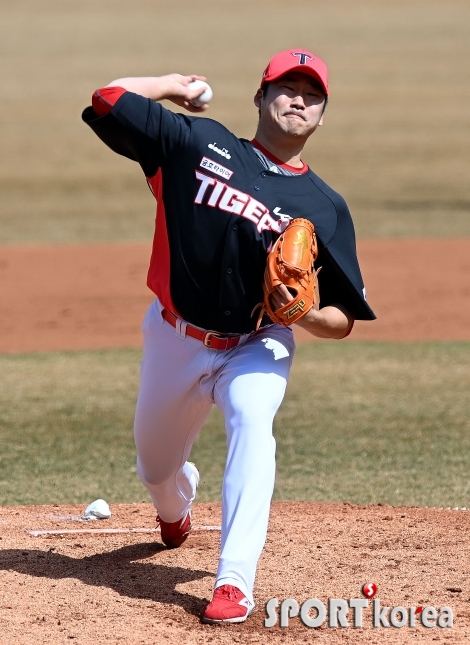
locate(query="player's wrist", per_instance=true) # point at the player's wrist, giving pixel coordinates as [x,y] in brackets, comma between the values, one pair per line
[329,322]
[162,87]
[312,319]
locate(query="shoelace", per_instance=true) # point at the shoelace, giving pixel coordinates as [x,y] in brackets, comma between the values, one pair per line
[229,591]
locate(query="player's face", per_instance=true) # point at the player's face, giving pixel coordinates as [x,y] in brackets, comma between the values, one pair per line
[293,105]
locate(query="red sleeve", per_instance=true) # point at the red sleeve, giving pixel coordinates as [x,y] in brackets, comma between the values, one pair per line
[105,98]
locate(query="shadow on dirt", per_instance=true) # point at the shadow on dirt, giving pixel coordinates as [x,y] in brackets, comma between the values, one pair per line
[119,570]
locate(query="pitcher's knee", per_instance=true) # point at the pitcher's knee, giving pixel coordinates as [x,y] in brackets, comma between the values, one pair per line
[257,441]
[254,422]
[154,475]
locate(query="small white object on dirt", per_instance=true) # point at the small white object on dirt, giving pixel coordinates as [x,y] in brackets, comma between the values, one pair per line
[97,510]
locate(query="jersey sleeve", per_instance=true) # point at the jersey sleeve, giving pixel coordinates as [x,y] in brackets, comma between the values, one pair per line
[105,99]
[136,127]
[337,288]
[340,279]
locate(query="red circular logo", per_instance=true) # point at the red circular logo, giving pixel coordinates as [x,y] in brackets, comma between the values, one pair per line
[369,589]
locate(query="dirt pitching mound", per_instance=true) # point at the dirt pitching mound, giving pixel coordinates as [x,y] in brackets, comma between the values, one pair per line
[125,587]
[95,296]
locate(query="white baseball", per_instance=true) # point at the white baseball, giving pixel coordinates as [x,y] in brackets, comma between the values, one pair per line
[205,97]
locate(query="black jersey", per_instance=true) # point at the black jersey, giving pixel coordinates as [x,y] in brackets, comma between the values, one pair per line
[219,213]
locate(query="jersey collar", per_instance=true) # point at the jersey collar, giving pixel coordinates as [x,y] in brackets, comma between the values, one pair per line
[278,162]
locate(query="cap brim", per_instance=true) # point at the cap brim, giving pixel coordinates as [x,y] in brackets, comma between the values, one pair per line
[302,69]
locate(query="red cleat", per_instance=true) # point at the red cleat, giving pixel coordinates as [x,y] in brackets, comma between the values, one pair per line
[228,605]
[175,533]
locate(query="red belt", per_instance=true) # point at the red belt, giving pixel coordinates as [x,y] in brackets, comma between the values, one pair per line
[211,339]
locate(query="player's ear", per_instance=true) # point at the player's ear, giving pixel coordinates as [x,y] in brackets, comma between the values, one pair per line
[257,98]
[321,120]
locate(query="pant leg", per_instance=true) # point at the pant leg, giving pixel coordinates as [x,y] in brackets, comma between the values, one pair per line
[171,409]
[249,391]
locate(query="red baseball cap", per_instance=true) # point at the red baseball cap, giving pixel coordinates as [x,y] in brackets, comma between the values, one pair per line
[296,60]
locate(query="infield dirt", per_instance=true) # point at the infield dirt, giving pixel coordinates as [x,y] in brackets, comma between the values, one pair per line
[94,296]
[129,589]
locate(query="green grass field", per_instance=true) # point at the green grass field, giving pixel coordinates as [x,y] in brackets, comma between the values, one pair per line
[397,128]
[362,422]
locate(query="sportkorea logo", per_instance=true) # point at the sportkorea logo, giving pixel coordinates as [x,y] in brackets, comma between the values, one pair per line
[335,612]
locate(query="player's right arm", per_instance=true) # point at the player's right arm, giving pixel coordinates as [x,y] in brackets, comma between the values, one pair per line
[127,116]
[173,87]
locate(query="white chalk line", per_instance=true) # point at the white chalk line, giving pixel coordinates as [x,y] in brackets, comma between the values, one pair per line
[42,532]
[68,518]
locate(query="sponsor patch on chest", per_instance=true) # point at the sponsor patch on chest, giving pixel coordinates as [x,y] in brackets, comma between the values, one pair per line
[216,168]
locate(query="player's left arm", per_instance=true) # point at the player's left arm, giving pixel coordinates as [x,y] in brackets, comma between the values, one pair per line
[332,321]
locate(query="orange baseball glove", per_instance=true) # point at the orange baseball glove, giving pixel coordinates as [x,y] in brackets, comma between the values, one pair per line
[291,263]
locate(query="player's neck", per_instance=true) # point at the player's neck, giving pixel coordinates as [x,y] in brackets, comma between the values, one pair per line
[287,150]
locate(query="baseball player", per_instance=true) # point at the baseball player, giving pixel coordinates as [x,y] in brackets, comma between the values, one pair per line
[221,204]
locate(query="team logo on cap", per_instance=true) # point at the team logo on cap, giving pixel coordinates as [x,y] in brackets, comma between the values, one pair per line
[302,57]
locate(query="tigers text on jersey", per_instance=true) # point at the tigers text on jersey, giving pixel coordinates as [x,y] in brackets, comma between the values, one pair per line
[219,212]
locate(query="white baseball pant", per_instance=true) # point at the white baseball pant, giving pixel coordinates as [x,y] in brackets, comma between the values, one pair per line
[180,381]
